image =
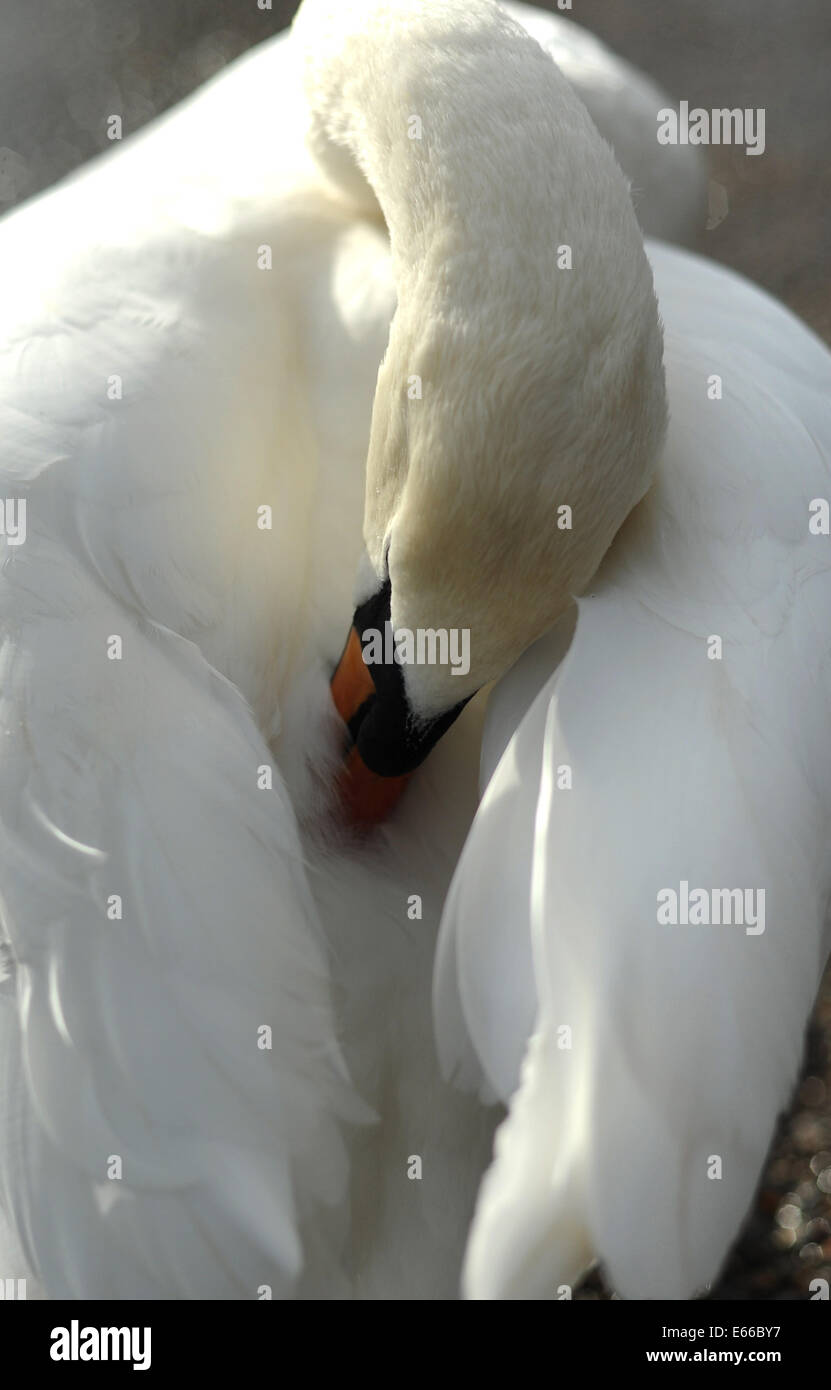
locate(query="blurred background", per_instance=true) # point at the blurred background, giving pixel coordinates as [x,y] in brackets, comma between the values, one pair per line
[64,62]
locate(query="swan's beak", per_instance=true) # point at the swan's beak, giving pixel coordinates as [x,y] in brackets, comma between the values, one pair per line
[366,796]
[385,743]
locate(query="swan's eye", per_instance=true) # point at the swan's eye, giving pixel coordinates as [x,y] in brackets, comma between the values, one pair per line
[384,741]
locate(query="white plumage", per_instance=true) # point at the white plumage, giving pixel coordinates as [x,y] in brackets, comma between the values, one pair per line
[686,1039]
[158,388]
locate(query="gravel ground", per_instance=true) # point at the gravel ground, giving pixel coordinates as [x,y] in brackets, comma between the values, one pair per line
[63,62]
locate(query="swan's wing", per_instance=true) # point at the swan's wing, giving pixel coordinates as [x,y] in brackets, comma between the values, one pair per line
[515,693]
[483,974]
[132,1044]
[171,1066]
[655,1048]
[660,1055]
[669,184]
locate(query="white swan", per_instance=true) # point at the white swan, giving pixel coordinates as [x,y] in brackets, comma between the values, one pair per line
[161,387]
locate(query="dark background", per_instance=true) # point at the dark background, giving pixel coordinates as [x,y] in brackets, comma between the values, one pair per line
[65,62]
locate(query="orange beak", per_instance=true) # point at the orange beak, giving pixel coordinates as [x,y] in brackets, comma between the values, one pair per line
[351,683]
[367,798]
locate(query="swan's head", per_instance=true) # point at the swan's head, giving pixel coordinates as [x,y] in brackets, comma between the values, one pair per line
[509,442]
[520,406]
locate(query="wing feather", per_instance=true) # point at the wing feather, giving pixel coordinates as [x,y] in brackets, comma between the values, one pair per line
[138,1037]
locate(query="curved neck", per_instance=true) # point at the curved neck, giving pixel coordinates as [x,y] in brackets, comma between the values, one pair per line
[541,384]
[452,118]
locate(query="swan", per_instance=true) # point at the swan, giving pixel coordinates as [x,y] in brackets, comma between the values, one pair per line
[177,1106]
[210,997]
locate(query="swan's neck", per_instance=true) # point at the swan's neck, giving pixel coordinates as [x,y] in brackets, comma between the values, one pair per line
[453,120]
[524,364]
